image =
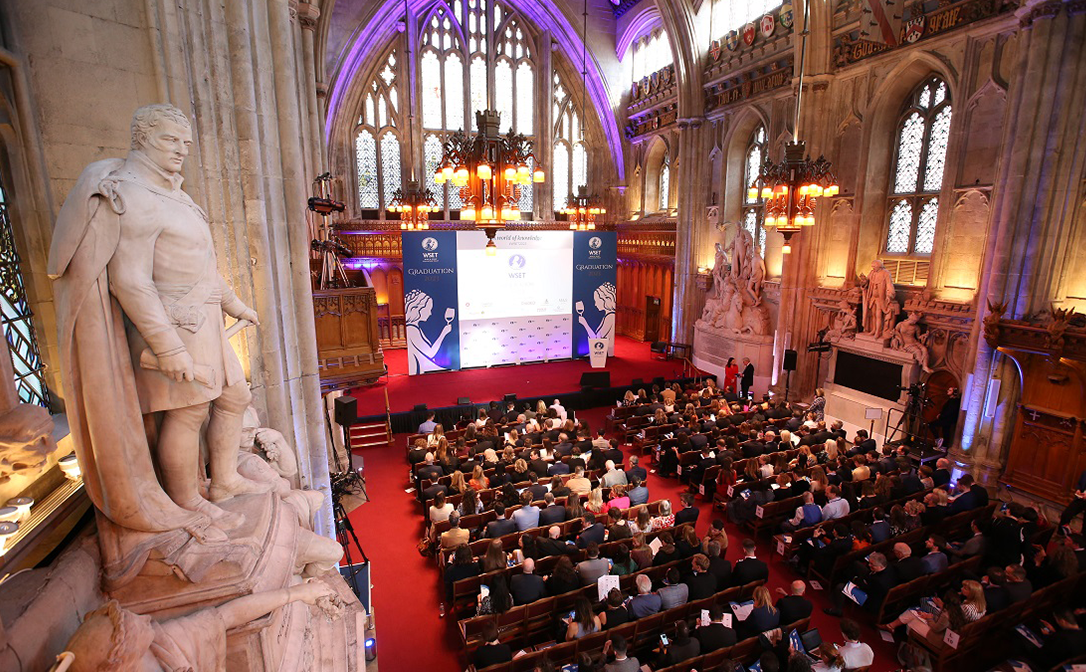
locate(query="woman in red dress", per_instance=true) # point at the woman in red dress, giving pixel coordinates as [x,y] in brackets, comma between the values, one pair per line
[731,372]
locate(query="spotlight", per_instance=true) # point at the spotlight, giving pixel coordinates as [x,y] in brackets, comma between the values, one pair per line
[371,648]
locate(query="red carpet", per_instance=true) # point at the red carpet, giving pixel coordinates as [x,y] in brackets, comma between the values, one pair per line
[632,360]
[411,636]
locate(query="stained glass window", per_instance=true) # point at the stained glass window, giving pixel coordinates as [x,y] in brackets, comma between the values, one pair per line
[651,53]
[380,114]
[753,210]
[503,93]
[919,162]
[525,95]
[432,160]
[731,15]
[571,160]
[16,316]
[526,196]
[454,91]
[561,174]
[665,183]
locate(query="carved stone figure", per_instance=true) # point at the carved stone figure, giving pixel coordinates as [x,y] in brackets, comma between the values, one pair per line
[880,304]
[908,337]
[114,638]
[735,301]
[844,322]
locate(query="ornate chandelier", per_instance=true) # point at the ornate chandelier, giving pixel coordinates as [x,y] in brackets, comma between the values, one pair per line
[581,211]
[414,205]
[790,188]
[490,169]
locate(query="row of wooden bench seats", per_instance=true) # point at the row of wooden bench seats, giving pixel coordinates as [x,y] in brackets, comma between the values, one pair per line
[491,472]
[787,549]
[906,595]
[466,590]
[487,495]
[989,639]
[534,623]
[948,528]
[511,541]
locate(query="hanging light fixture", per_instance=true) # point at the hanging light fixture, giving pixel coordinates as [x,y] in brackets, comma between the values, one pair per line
[490,170]
[414,205]
[581,211]
[790,188]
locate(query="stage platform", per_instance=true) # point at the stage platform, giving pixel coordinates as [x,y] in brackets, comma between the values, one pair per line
[441,390]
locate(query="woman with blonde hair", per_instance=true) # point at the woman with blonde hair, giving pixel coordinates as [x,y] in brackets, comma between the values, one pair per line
[765,467]
[457,486]
[479,481]
[541,408]
[764,616]
[819,482]
[595,502]
[659,417]
[829,452]
[629,399]
[435,436]
[619,499]
[974,605]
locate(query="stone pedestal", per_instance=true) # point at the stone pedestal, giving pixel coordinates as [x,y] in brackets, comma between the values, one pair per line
[713,347]
[850,406]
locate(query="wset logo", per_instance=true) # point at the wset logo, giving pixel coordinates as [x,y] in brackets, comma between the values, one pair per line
[517,261]
[595,242]
[429,244]
[599,345]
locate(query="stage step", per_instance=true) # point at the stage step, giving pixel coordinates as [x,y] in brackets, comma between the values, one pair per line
[369,435]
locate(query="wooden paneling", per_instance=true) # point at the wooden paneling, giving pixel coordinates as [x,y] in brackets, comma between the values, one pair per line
[348,342]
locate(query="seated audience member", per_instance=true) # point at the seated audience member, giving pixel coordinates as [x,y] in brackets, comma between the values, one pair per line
[584,621]
[807,514]
[454,536]
[637,492]
[995,591]
[501,525]
[701,583]
[527,516]
[880,527]
[564,578]
[440,509]
[463,566]
[794,606]
[875,583]
[720,568]
[646,602]
[674,592]
[537,489]
[854,653]
[941,476]
[835,506]
[621,663]
[975,545]
[614,613]
[950,615]
[687,542]
[679,648]
[906,566]
[716,635]
[617,526]
[829,659]
[763,617]
[593,531]
[1067,641]
[665,519]
[622,563]
[935,560]
[667,552]
[551,513]
[613,476]
[689,512]
[1053,567]
[618,500]
[527,587]
[497,600]
[591,569]
[579,485]
[636,470]
[643,523]
[479,481]
[749,568]
[492,652]
[470,504]
[1018,586]
[973,496]
[495,557]
[716,533]
[558,468]
[641,553]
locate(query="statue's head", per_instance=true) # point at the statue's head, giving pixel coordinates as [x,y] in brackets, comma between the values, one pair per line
[250,422]
[876,265]
[111,638]
[164,134]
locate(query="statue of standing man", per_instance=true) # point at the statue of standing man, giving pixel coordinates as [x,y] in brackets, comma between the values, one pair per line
[140,306]
[880,301]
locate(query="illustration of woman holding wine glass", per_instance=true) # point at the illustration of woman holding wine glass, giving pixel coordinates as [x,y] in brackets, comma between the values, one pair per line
[604,298]
[420,351]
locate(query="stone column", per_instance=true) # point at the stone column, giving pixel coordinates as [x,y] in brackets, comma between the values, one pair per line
[308,14]
[1032,207]
[690,227]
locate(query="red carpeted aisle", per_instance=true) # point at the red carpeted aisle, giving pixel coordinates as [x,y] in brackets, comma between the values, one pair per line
[410,634]
[632,360]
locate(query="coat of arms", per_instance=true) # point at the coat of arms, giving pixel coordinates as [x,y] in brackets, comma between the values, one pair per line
[731,40]
[786,15]
[914,29]
[766,25]
[749,32]
[714,50]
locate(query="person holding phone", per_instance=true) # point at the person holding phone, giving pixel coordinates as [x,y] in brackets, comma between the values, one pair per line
[581,622]
[682,647]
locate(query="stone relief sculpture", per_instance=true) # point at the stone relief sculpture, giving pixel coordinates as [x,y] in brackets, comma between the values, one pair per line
[880,303]
[908,337]
[735,301]
[843,324]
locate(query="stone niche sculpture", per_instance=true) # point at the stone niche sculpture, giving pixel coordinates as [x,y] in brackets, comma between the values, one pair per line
[909,337]
[880,303]
[149,376]
[735,303]
[843,324]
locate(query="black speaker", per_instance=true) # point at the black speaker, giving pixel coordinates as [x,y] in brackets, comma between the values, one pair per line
[789,360]
[658,381]
[658,346]
[637,382]
[596,379]
[463,401]
[510,398]
[419,408]
[346,410]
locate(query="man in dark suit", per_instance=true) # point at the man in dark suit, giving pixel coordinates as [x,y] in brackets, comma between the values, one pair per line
[752,447]
[942,472]
[973,496]
[906,566]
[592,532]
[536,465]
[701,583]
[749,568]
[689,512]
[877,582]
[887,463]
[636,470]
[527,587]
[718,566]
[795,422]
[552,544]
[563,447]
[551,513]
[794,606]
[559,468]
[748,378]
[538,490]
[614,453]
[502,525]
[995,594]
[715,635]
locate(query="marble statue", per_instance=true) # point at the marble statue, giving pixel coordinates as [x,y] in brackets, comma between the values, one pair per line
[843,324]
[734,303]
[908,337]
[114,638]
[880,302]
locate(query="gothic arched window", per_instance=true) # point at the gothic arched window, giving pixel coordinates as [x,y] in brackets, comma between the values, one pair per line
[376,140]
[16,316]
[917,176]
[734,14]
[753,211]
[665,183]
[570,160]
[651,53]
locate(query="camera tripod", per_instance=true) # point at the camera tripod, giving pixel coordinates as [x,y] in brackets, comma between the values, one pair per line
[345,534]
[911,422]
